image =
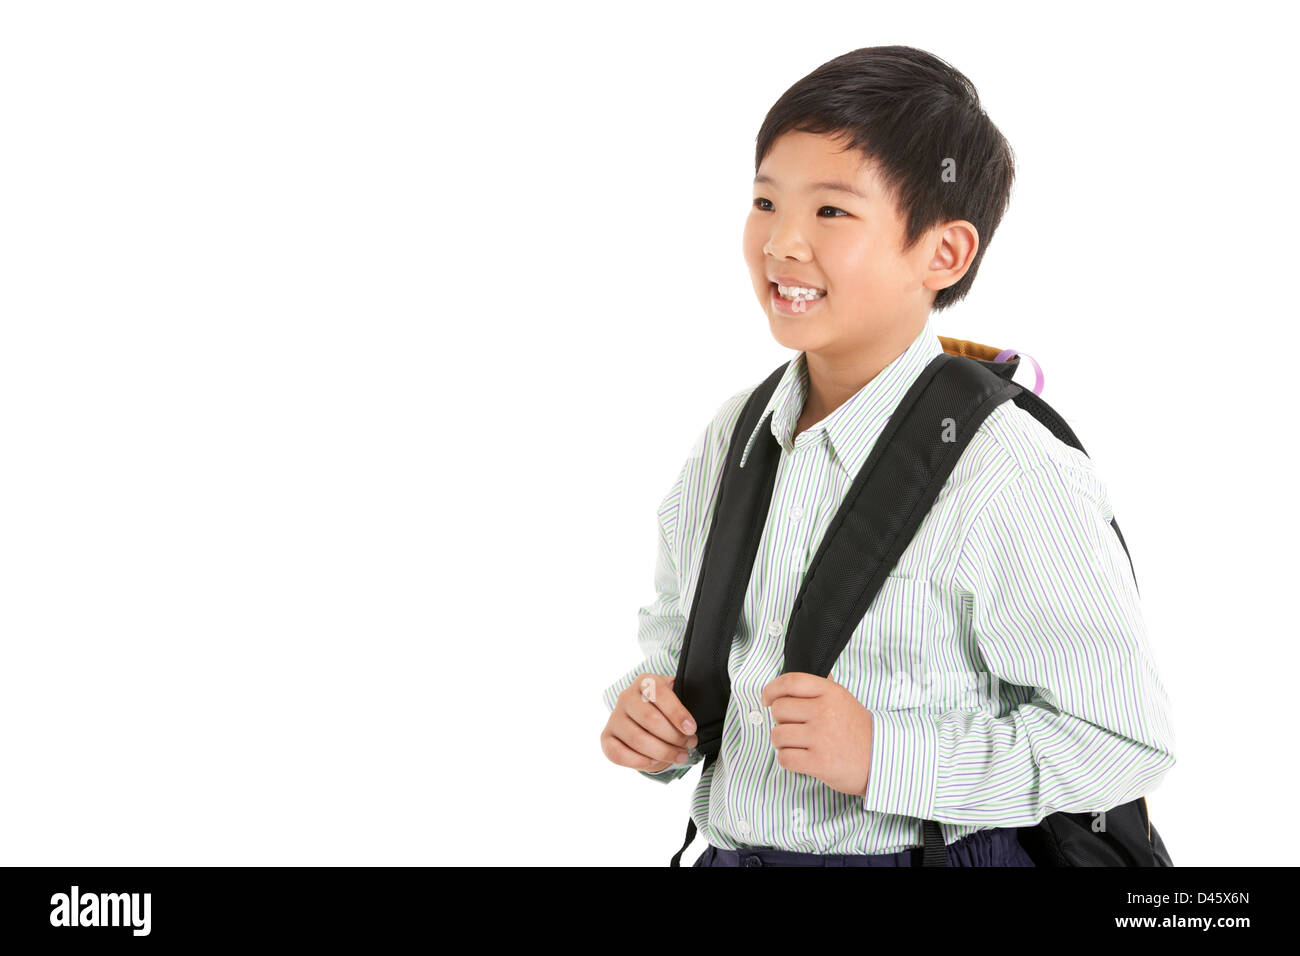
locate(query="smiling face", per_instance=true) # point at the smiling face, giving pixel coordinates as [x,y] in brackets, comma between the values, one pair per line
[846,241]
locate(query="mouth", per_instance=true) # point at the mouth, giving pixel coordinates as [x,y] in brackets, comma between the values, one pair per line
[792,306]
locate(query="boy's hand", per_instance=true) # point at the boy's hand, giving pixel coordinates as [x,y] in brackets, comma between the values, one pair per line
[649,728]
[820,729]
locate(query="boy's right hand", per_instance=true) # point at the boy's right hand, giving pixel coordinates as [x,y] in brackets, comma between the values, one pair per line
[649,735]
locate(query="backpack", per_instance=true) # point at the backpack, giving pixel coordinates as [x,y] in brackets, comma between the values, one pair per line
[880,513]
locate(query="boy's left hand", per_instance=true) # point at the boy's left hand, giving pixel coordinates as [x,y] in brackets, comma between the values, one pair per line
[821,730]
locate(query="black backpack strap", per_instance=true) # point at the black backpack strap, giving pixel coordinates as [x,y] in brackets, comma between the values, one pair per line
[690,837]
[690,823]
[936,851]
[703,682]
[891,495]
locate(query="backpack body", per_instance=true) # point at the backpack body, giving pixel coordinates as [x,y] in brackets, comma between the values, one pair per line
[880,513]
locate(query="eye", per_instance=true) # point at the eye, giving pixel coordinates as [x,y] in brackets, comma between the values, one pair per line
[760,200]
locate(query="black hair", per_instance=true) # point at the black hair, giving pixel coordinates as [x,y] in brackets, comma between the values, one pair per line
[909,111]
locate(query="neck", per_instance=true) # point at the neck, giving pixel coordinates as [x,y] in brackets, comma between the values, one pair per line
[834,378]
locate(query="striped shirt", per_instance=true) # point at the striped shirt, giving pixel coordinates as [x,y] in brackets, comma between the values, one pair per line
[1005,660]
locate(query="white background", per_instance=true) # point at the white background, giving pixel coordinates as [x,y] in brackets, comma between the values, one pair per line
[341,380]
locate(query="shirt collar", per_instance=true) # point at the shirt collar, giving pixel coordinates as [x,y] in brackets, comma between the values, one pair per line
[853,427]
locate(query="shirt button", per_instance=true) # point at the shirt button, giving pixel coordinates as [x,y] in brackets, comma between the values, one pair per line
[755,717]
[796,513]
[776,628]
[743,826]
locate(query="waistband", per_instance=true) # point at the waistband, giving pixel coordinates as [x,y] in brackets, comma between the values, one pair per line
[989,847]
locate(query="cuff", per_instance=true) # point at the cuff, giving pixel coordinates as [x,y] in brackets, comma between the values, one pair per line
[669,774]
[904,771]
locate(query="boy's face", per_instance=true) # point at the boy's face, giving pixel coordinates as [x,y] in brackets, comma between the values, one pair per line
[848,245]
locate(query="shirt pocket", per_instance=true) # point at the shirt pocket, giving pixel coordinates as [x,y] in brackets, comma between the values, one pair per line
[884,664]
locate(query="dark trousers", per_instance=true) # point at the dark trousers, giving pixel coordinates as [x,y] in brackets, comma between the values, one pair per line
[993,847]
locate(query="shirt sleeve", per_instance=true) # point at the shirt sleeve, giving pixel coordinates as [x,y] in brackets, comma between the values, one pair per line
[661,625]
[1053,610]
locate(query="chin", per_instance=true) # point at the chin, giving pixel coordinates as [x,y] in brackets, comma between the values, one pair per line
[798,339]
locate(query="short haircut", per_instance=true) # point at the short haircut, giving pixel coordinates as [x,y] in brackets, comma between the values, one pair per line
[909,111]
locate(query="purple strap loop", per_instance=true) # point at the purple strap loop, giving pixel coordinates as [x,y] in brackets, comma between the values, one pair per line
[1038,372]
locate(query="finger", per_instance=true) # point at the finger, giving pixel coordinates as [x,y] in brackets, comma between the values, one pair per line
[648,745]
[623,755]
[652,720]
[793,710]
[649,715]
[793,684]
[672,707]
[648,685]
[648,689]
[796,760]
[797,736]
[647,712]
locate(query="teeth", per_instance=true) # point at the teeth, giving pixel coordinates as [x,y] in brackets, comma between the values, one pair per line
[795,292]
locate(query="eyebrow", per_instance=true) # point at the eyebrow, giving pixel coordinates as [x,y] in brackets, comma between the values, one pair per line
[832,185]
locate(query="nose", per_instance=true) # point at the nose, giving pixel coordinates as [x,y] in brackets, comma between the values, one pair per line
[783,245]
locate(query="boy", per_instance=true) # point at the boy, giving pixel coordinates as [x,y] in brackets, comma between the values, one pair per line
[1002,672]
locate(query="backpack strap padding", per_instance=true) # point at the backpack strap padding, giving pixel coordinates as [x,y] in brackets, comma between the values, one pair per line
[703,681]
[890,497]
